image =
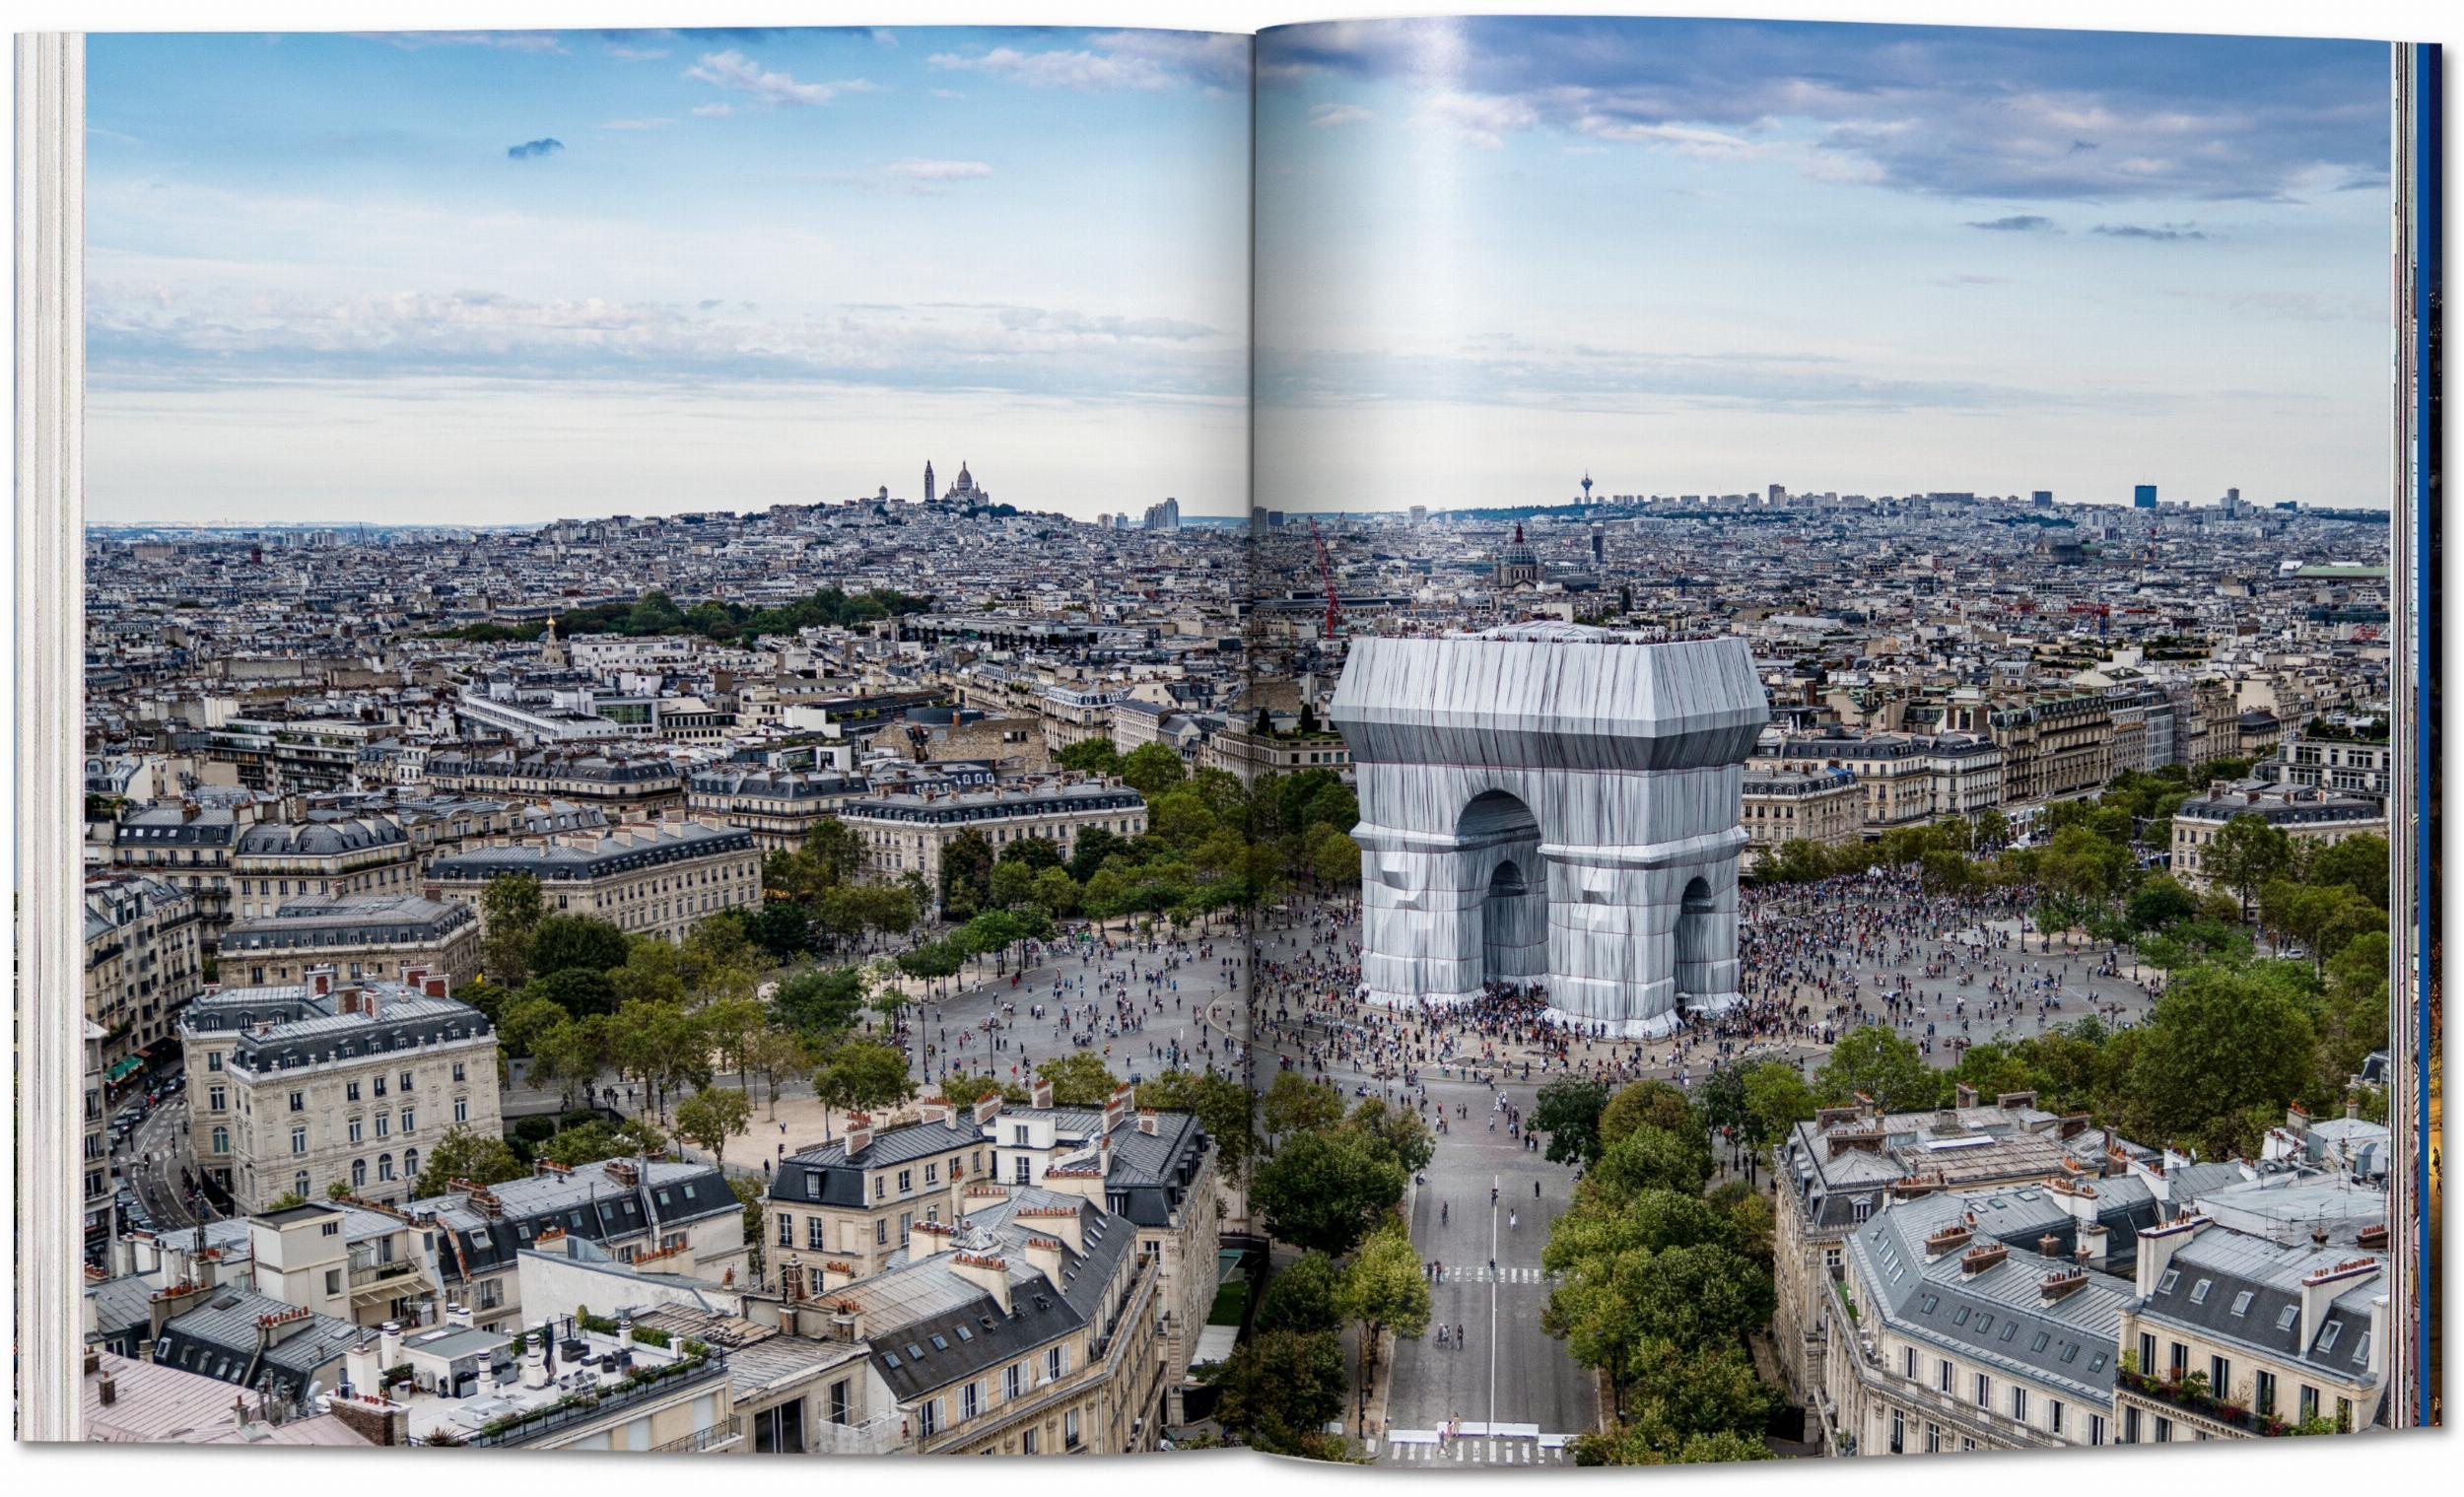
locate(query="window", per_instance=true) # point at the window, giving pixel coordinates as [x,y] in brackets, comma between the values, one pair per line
[461,1110]
[299,1101]
[1069,1430]
[333,1281]
[2053,1416]
[406,1081]
[2327,1338]
[1933,1439]
[1055,1362]
[214,1098]
[787,1230]
[355,1127]
[932,1175]
[222,1141]
[359,1172]
[2219,1375]
[968,1400]
[213,1060]
[350,1091]
[1013,1380]
[1942,1375]
[2095,1429]
[384,1167]
[1908,1365]
[410,1163]
[1026,1442]
[2263,1392]
[2199,1291]
[881,1232]
[813,1238]
[2241,1303]
[2309,1403]
[458,1073]
[2164,1430]
[299,1184]
[905,1181]
[298,1140]
[1898,1431]
[1984,1392]
[2171,1277]
[385,1123]
[2018,1404]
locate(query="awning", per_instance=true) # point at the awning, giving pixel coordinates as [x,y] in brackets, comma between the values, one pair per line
[123,1066]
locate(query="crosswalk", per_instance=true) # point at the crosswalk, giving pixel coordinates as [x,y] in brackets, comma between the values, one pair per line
[1484,1275]
[1404,1447]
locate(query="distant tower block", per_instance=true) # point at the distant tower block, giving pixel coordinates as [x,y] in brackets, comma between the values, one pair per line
[1587,488]
[1553,804]
[928,499]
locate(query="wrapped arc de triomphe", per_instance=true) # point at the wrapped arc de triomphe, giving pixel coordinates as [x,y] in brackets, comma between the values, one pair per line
[1551,805]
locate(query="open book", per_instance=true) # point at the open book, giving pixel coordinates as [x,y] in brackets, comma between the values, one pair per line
[1512,742]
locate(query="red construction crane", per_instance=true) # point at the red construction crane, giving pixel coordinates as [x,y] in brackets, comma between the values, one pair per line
[1326,575]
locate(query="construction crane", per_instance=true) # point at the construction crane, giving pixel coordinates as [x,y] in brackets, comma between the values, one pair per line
[1326,575]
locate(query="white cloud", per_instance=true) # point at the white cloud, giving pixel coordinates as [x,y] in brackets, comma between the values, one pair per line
[660,123]
[714,110]
[1484,119]
[1327,117]
[1113,60]
[731,69]
[938,170]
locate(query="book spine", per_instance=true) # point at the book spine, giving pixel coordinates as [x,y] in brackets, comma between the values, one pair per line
[50,697]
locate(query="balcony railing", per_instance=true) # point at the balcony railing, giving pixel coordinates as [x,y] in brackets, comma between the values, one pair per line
[665,1381]
[2202,1404]
[716,1437]
[877,1436]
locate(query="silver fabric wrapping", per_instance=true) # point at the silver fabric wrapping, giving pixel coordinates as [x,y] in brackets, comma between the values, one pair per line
[1554,804]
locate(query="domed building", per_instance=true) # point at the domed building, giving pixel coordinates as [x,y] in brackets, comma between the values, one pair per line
[1518,566]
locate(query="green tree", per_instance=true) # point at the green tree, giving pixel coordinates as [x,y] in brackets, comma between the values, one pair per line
[820,1002]
[2245,853]
[966,874]
[1090,756]
[1651,1159]
[1882,1066]
[1295,1104]
[775,1054]
[463,1154]
[1777,1099]
[1223,1107]
[1657,1103]
[511,908]
[570,1053]
[1278,1390]
[1569,1111]
[1305,1297]
[597,1139]
[1386,1288]
[2222,1045]
[861,1077]
[711,1116]
[1079,1079]
[566,942]
[1151,769]
[1323,1189]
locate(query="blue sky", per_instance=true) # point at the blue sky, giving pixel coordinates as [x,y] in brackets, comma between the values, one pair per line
[508,276]
[1712,255]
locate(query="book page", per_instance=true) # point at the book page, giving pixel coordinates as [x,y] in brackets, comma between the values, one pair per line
[617,565]
[1842,570]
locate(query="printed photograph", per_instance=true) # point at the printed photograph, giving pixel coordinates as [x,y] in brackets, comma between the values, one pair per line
[1440,744]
